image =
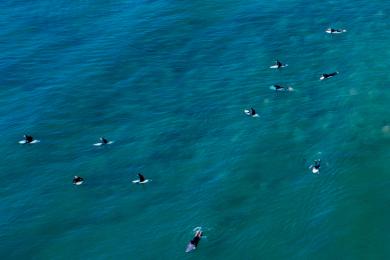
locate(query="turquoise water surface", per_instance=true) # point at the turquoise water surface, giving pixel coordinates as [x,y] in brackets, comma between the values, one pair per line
[168,81]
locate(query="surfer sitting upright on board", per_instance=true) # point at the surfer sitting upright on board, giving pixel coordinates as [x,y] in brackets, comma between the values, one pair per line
[28,139]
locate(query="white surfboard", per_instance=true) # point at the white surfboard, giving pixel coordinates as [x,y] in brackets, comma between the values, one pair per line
[100,144]
[314,170]
[329,31]
[25,142]
[143,182]
[190,247]
[248,113]
[79,183]
[276,66]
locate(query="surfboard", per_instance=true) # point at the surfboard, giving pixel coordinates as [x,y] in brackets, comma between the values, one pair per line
[100,144]
[248,113]
[25,142]
[329,31]
[276,66]
[314,170]
[79,183]
[143,182]
[190,247]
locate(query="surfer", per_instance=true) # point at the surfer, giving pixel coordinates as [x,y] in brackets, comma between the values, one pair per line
[278,64]
[253,112]
[28,139]
[331,30]
[325,75]
[141,177]
[279,88]
[103,140]
[316,166]
[77,180]
[195,241]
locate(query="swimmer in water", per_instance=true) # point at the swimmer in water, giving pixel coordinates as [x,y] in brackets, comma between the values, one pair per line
[78,180]
[28,139]
[195,241]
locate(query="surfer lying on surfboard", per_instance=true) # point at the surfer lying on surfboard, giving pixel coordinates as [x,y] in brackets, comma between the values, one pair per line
[326,76]
[280,88]
[193,244]
[331,30]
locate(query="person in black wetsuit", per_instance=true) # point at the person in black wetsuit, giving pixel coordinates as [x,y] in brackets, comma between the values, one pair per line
[141,177]
[253,112]
[103,140]
[278,88]
[335,30]
[317,164]
[279,64]
[77,180]
[28,138]
[325,75]
[196,239]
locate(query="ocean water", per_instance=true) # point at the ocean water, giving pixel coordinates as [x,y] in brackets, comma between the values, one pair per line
[168,81]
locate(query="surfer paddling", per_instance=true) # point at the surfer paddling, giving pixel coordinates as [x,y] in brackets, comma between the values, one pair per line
[330,75]
[332,31]
[193,244]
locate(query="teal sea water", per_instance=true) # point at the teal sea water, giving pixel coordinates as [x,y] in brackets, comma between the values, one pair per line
[168,81]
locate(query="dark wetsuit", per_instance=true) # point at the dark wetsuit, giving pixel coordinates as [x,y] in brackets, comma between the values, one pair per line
[317,165]
[141,177]
[104,141]
[28,138]
[78,179]
[279,64]
[253,112]
[277,87]
[195,241]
